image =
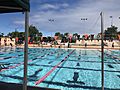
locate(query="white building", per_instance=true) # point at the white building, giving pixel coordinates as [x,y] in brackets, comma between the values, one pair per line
[6,41]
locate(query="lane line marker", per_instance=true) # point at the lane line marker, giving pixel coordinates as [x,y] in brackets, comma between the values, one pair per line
[48,73]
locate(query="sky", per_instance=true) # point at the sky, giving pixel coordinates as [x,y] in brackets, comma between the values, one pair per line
[67,15]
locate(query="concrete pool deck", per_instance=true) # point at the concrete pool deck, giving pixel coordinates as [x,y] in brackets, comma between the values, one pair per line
[73,46]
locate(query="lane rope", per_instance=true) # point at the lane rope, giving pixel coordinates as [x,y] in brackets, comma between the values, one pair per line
[14,66]
[48,73]
[114,57]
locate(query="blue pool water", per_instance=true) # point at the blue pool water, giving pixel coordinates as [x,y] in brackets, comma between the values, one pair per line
[86,64]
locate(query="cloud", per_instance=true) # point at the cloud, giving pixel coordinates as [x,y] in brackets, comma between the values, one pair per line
[57,6]
[65,5]
[48,6]
[21,22]
[67,16]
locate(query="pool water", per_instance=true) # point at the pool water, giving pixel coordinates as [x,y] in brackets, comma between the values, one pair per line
[80,70]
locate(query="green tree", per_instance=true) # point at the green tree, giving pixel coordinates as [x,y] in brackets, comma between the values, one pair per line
[78,37]
[61,36]
[57,34]
[49,39]
[13,34]
[33,31]
[1,34]
[75,35]
[21,34]
[40,34]
[111,33]
[66,34]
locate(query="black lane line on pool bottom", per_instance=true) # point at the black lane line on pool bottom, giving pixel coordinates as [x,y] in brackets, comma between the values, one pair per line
[75,68]
[15,56]
[48,73]
[36,72]
[113,57]
[113,51]
[1,54]
[46,54]
[51,53]
[6,58]
[11,67]
[11,57]
[110,66]
[43,56]
[50,62]
[118,76]
[80,85]
[108,55]
[58,69]
[76,82]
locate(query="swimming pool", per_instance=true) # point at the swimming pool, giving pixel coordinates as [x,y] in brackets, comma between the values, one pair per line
[65,69]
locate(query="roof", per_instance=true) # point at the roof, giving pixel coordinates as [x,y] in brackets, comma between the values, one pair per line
[8,6]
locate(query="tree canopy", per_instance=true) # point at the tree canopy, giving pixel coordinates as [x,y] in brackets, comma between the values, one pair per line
[15,34]
[1,34]
[66,34]
[33,31]
[111,32]
[57,34]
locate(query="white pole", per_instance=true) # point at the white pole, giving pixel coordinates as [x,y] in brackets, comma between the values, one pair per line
[26,50]
[102,52]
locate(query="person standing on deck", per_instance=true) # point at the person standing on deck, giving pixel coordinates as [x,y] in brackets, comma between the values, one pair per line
[113,44]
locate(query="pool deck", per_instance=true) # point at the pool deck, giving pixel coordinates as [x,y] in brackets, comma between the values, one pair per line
[13,86]
[81,47]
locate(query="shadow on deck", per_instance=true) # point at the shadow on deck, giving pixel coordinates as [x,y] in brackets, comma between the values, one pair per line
[12,86]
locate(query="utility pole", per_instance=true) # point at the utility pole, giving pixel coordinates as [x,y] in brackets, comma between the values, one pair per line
[102,52]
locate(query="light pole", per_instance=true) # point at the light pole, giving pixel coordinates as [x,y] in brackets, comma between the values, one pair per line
[51,20]
[119,38]
[84,19]
[111,20]
[102,52]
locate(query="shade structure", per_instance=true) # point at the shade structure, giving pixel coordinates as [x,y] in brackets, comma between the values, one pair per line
[10,6]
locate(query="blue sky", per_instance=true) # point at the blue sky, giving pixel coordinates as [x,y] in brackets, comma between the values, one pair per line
[67,16]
